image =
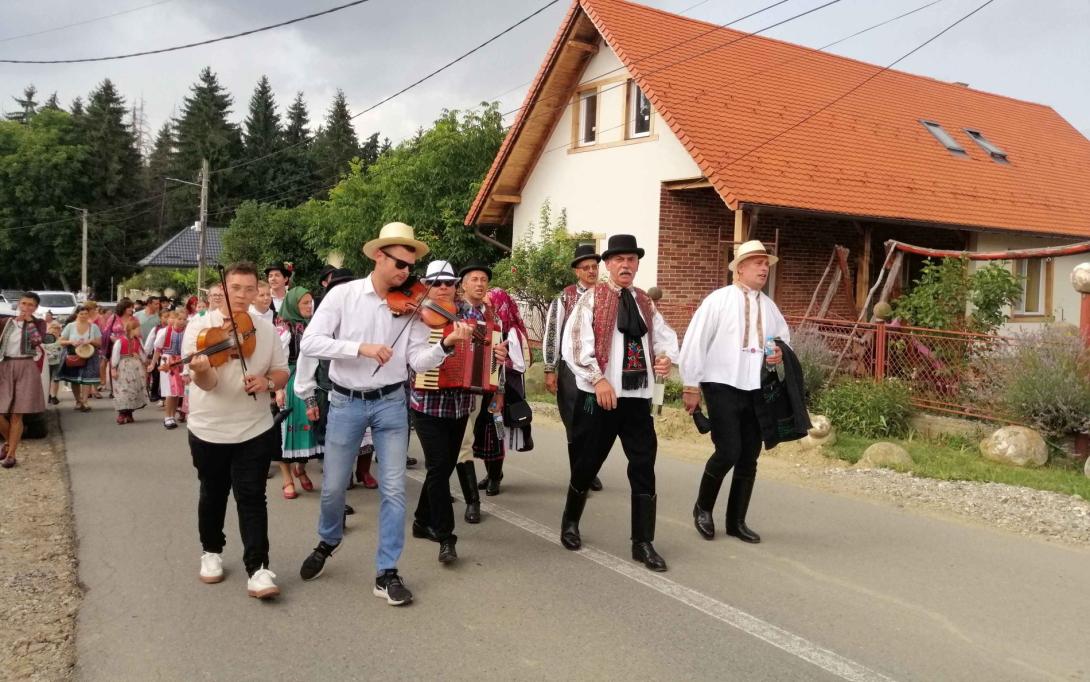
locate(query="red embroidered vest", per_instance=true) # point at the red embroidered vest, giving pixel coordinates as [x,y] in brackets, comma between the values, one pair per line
[568,298]
[606,304]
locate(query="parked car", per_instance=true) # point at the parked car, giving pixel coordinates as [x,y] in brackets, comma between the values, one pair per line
[9,300]
[60,303]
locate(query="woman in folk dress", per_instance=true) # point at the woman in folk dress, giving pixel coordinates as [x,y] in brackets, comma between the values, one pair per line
[300,440]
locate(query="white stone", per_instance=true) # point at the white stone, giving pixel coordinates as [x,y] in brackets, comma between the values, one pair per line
[1086,468]
[885,455]
[1080,278]
[820,426]
[1016,445]
[812,442]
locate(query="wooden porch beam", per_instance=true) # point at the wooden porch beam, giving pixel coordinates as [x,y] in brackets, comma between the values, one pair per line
[592,48]
[507,198]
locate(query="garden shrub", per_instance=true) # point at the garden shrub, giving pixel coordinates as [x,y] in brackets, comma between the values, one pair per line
[868,408]
[817,361]
[1045,381]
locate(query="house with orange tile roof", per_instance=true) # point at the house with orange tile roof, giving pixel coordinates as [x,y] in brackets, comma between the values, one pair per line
[696,137]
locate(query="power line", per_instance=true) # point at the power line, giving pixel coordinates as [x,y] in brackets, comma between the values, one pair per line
[856,87]
[296,20]
[84,22]
[405,89]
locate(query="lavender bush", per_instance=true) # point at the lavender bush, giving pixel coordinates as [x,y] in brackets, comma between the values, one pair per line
[1045,380]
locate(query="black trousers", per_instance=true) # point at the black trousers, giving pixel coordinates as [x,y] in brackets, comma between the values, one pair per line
[735,430]
[567,392]
[241,468]
[441,439]
[594,432]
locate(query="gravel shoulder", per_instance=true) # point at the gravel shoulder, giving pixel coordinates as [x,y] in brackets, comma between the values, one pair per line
[1047,516]
[39,588]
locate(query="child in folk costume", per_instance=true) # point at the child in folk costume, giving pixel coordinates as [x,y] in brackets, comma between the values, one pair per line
[149,350]
[54,355]
[127,361]
[168,348]
[299,437]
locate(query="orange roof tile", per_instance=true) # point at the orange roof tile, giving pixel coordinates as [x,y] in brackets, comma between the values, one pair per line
[867,155]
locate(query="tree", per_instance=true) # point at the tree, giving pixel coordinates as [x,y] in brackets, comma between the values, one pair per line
[941,297]
[263,233]
[261,138]
[204,131]
[539,265]
[336,143]
[298,164]
[158,168]
[52,104]
[77,108]
[27,105]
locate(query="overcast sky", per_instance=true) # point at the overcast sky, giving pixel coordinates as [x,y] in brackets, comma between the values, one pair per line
[1036,50]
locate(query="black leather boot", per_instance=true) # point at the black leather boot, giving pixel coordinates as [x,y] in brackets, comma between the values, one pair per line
[596,484]
[494,467]
[447,553]
[643,532]
[705,503]
[467,477]
[741,489]
[569,522]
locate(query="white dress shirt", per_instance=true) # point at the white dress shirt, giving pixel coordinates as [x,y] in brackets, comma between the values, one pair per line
[585,366]
[353,314]
[268,315]
[713,350]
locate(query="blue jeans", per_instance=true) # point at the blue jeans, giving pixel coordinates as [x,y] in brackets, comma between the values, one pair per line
[388,418]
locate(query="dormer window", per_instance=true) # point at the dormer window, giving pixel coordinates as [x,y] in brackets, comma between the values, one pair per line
[588,117]
[993,151]
[639,112]
[944,137]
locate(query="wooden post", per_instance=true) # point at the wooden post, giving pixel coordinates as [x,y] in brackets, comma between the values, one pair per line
[862,280]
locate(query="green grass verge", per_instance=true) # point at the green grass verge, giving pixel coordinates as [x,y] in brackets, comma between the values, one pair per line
[954,459]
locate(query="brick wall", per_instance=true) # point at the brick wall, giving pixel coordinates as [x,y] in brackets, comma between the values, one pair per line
[696,228]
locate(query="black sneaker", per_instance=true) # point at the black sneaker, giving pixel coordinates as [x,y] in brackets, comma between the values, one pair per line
[388,586]
[315,563]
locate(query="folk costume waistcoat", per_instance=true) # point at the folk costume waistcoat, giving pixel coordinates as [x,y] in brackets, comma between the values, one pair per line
[606,304]
[32,332]
[569,296]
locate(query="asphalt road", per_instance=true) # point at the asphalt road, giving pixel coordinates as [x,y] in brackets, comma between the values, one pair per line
[840,588]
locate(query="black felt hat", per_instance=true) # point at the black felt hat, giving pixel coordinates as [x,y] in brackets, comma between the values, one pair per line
[285,269]
[583,252]
[470,268]
[340,276]
[325,272]
[622,243]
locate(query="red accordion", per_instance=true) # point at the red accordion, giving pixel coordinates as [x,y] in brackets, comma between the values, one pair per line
[472,366]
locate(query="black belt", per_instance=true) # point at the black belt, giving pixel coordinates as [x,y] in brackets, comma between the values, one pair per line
[367,395]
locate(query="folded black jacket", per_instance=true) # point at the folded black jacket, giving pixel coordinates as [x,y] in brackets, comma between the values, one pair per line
[781,411]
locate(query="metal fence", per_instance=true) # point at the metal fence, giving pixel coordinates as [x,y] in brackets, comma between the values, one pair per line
[954,372]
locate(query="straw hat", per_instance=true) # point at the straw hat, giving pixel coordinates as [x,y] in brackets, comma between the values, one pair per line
[751,249]
[398,234]
[440,271]
[85,351]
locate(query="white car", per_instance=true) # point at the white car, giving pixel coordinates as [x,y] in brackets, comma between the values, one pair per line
[60,303]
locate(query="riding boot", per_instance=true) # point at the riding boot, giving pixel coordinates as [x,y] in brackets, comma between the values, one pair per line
[494,467]
[705,502]
[467,477]
[741,489]
[643,532]
[569,522]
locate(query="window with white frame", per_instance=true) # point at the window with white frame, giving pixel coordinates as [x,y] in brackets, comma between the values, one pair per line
[1033,275]
[639,112]
[588,118]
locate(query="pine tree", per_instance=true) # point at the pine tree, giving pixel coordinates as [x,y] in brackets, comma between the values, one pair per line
[262,137]
[203,131]
[370,150]
[298,163]
[28,106]
[336,143]
[77,108]
[160,161]
[52,104]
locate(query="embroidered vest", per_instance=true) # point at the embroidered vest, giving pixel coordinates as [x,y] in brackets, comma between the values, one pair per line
[172,343]
[32,333]
[568,298]
[606,304]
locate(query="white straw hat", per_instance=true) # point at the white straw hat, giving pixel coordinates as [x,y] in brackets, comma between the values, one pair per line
[751,249]
[393,234]
[440,271]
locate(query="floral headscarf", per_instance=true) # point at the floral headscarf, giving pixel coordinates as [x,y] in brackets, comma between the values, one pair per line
[507,310]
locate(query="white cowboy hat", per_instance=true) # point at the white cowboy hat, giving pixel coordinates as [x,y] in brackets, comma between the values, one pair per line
[395,234]
[751,249]
[440,271]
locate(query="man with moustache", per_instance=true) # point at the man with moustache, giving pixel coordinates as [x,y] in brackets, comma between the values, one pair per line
[617,341]
[355,329]
[559,380]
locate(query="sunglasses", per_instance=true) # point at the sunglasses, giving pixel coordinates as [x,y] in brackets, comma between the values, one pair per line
[401,265]
[443,283]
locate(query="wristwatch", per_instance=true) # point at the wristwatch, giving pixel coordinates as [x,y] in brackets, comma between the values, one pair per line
[272,385]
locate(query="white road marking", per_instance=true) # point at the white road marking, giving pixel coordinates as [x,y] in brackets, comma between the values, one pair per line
[797,646]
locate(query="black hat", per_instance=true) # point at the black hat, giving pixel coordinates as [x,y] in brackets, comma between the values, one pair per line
[470,268]
[284,268]
[583,252]
[622,243]
[326,270]
[340,276]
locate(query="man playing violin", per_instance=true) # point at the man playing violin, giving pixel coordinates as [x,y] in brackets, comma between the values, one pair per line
[370,351]
[231,435]
[440,417]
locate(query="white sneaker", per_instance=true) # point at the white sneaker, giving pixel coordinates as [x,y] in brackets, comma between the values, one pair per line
[211,568]
[261,584]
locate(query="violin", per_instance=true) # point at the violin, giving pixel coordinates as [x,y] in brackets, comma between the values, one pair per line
[413,295]
[219,345]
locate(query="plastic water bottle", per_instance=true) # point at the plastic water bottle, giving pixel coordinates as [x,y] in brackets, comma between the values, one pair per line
[770,346]
[497,419]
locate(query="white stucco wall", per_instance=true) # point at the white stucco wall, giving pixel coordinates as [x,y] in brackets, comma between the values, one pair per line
[1065,300]
[610,189]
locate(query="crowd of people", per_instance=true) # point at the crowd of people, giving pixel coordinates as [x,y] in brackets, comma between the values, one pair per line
[270,376]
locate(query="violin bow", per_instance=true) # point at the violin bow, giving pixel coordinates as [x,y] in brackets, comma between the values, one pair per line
[405,326]
[234,329]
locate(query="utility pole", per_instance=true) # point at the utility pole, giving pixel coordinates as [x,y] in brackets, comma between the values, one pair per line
[83,258]
[202,226]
